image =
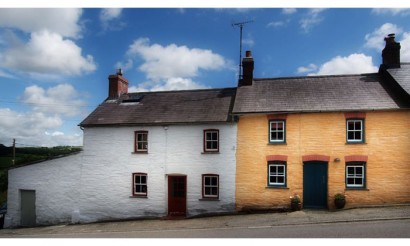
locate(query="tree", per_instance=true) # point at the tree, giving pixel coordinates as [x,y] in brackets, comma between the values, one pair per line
[3,180]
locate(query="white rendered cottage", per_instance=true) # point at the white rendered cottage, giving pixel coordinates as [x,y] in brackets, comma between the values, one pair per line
[145,154]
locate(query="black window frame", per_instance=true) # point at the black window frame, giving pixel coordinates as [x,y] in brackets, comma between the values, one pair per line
[204,186]
[273,141]
[285,175]
[134,185]
[362,131]
[206,140]
[137,142]
[355,164]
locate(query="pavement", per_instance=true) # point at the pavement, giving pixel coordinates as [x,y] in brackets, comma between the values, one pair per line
[305,216]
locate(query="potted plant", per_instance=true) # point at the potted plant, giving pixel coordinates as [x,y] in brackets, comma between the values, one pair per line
[340,200]
[295,203]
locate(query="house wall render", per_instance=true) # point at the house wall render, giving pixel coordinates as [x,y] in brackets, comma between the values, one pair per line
[96,184]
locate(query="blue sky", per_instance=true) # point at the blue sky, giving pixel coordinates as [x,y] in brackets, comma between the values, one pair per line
[54,63]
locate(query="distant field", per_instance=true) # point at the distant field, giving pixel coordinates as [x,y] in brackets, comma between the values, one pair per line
[3,197]
[5,161]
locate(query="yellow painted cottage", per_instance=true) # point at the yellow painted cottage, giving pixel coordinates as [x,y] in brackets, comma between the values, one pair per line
[316,136]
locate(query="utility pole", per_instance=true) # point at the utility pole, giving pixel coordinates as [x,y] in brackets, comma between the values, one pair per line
[14,151]
[240,24]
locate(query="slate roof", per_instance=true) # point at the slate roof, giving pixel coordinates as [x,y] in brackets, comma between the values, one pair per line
[402,76]
[315,94]
[168,107]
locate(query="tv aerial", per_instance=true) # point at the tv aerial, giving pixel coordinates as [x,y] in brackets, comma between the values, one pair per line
[240,25]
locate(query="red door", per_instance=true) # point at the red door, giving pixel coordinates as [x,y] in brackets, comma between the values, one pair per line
[177,195]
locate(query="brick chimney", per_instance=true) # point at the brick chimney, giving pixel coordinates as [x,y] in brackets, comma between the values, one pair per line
[118,85]
[391,52]
[247,70]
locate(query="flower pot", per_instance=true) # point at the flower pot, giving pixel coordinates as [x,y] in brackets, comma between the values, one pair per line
[295,206]
[340,203]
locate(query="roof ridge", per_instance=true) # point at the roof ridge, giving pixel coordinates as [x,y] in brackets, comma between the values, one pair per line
[316,76]
[191,90]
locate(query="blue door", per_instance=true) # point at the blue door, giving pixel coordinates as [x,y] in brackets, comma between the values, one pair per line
[315,184]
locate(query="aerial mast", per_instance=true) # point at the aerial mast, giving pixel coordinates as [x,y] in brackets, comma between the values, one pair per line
[240,24]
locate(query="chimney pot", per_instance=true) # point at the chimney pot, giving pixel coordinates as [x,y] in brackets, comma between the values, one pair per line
[248,53]
[119,71]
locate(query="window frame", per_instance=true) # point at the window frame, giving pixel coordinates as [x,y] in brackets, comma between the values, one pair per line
[355,165]
[276,184]
[273,141]
[136,142]
[210,196]
[362,130]
[134,184]
[215,150]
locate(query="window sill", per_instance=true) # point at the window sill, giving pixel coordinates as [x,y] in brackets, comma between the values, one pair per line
[139,153]
[348,143]
[210,152]
[358,189]
[209,199]
[278,143]
[138,197]
[277,187]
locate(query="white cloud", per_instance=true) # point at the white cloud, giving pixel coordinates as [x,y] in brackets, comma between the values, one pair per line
[375,39]
[405,47]
[6,75]
[35,129]
[170,84]
[181,10]
[248,40]
[275,24]
[62,139]
[109,19]
[56,133]
[289,11]
[110,14]
[49,53]
[15,120]
[352,64]
[234,10]
[25,126]
[310,68]
[41,125]
[311,19]
[62,20]
[172,67]
[62,99]
[125,66]
[392,11]
[173,61]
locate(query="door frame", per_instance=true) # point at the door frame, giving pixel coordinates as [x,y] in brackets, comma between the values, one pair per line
[171,178]
[325,186]
[28,215]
